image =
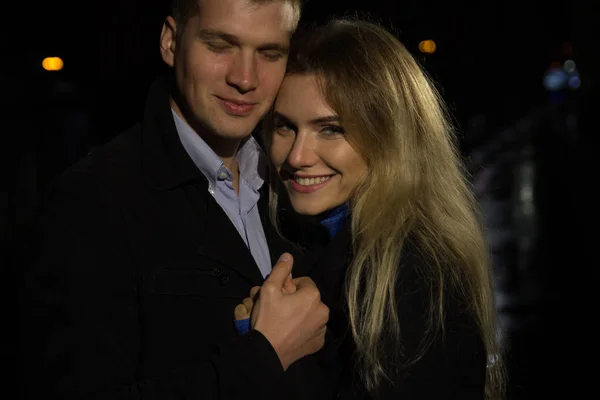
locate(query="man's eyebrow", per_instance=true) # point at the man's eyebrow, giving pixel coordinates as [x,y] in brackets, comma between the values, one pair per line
[214,34]
[211,34]
[274,46]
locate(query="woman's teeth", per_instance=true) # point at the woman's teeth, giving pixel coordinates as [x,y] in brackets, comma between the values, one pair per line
[311,181]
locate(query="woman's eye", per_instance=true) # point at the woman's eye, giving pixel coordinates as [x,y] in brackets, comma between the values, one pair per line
[284,128]
[332,130]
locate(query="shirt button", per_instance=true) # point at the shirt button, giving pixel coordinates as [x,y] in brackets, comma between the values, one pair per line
[211,190]
[223,175]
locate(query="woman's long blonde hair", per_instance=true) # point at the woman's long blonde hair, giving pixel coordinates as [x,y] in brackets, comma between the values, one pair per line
[416,189]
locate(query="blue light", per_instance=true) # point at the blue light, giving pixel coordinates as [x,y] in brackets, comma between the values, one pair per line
[555,79]
[574,82]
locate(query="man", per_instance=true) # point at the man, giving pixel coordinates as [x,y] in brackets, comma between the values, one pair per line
[149,243]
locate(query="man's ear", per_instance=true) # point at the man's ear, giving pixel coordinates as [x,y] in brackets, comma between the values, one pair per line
[167,41]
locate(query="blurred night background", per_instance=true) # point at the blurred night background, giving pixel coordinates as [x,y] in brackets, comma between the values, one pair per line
[519,77]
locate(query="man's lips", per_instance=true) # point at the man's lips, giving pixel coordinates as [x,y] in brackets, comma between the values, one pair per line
[236,107]
[238,102]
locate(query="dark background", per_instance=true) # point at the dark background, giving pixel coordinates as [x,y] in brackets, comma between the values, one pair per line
[530,149]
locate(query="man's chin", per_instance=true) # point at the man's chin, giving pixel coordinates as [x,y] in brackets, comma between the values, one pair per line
[233,135]
[235,131]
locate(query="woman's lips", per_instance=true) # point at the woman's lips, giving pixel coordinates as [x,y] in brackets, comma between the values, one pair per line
[309,184]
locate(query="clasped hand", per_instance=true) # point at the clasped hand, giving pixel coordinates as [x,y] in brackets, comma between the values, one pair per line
[288,312]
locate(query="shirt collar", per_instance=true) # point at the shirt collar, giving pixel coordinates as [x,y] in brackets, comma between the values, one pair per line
[250,157]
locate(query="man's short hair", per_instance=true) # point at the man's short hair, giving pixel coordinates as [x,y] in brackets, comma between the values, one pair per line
[183,10]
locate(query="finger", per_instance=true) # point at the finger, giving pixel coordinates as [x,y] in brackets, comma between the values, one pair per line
[289,286]
[241,312]
[249,304]
[254,292]
[303,282]
[281,270]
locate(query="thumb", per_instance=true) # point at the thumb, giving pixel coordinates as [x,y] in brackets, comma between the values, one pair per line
[281,271]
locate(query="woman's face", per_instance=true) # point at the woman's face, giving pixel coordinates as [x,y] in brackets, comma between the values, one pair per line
[318,166]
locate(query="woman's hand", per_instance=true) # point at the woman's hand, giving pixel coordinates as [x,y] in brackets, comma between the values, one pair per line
[244,310]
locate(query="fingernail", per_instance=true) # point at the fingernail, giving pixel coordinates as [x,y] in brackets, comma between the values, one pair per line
[284,257]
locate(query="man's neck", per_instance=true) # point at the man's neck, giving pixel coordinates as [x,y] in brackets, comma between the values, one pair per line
[225,149]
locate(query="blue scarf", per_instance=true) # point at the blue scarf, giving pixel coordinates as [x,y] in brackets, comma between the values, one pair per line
[334,219]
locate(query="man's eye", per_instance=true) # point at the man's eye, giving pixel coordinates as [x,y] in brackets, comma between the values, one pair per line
[272,55]
[218,47]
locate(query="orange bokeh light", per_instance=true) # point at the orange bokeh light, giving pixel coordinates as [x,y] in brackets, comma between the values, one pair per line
[53,64]
[427,46]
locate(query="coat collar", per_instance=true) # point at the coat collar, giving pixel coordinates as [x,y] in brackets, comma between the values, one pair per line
[165,163]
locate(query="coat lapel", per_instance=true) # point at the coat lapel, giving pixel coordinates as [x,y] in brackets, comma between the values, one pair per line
[221,242]
[277,244]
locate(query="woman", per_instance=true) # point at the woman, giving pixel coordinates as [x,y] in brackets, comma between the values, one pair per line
[361,142]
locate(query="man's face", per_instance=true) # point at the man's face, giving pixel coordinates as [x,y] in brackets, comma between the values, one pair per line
[229,62]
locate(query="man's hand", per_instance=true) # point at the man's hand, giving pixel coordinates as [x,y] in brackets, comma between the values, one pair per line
[289,313]
[244,310]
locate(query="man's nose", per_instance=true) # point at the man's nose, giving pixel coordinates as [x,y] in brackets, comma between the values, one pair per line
[243,74]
